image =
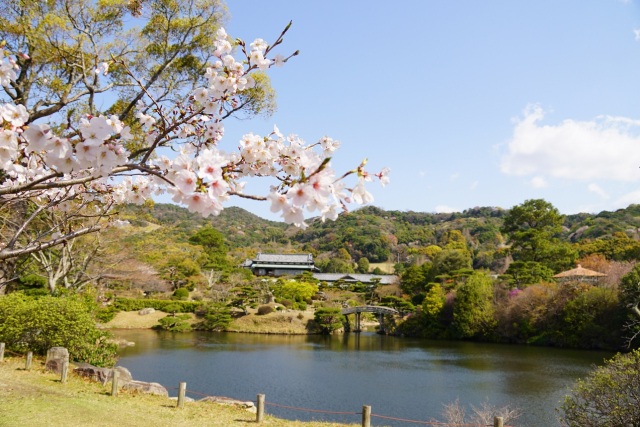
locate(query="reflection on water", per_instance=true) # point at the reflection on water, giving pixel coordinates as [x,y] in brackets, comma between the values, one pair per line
[398,377]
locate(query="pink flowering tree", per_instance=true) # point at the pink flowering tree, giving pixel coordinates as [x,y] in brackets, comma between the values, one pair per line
[80,165]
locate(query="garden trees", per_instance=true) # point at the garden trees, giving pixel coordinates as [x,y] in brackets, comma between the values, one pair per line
[630,297]
[534,228]
[609,395]
[176,79]
[473,310]
[449,261]
[529,225]
[328,319]
[295,290]
[432,307]
[212,242]
[363,265]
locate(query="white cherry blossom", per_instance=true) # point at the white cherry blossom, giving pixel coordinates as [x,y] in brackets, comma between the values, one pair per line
[16,115]
[201,176]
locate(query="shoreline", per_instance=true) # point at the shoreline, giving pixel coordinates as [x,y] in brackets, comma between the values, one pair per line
[37,397]
[276,323]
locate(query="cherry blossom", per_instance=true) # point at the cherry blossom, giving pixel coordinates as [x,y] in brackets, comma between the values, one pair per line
[89,160]
[16,115]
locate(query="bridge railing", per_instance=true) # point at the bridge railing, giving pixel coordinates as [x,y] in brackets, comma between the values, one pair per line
[369,309]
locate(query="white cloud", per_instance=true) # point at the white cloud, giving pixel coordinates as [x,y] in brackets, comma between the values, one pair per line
[606,148]
[637,34]
[474,185]
[539,182]
[446,209]
[595,188]
[454,176]
[627,199]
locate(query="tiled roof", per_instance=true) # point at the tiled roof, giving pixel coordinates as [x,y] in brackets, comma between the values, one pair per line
[284,258]
[348,277]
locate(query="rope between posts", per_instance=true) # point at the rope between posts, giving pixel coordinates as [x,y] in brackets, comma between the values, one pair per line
[321,411]
[192,392]
[431,423]
[275,404]
[312,410]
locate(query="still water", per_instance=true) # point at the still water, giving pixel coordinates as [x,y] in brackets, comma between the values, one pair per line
[399,377]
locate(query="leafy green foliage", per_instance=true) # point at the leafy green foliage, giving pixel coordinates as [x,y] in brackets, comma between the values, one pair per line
[534,229]
[217,317]
[523,273]
[473,311]
[363,265]
[414,278]
[593,319]
[295,290]
[245,296]
[328,319]
[609,396]
[212,242]
[128,304]
[630,299]
[173,323]
[449,261]
[181,294]
[400,304]
[37,324]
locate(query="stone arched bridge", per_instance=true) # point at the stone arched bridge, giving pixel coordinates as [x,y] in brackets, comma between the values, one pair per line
[380,310]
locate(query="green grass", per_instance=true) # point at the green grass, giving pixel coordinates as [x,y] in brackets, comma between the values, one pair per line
[38,398]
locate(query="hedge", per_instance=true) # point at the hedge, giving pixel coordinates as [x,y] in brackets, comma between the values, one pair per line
[130,304]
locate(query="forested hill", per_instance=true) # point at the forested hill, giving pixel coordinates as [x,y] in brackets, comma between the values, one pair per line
[381,235]
[239,227]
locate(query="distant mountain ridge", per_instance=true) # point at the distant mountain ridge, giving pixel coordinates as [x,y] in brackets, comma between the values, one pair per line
[372,232]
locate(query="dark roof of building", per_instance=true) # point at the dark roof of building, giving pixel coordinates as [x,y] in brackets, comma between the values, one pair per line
[283,258]
[349,277]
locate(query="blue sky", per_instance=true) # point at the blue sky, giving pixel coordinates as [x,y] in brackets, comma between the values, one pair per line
[468,103]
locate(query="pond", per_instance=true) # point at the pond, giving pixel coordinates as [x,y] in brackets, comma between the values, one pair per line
[399,377]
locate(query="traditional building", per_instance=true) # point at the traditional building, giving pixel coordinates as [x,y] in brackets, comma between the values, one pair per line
[580,274]
[331,278]
[280,264]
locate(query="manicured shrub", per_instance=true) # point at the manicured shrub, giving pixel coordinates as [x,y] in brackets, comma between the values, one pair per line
[181,294]
[286,302]
[127,304]
[328,319]
[265,309]
[174,323]
[39,323]
[217,317]
[173,308]
[106,314]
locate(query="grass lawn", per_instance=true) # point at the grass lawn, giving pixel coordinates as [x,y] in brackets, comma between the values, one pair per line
[38,398]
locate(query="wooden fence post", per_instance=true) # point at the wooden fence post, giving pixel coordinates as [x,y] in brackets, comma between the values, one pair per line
[498,422]
[366,416]
[114,383]
[182,389]
[65,370]
[27,365]
[1,351]
[260,409]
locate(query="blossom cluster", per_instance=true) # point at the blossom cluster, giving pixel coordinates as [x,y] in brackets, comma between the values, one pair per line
[201,176]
